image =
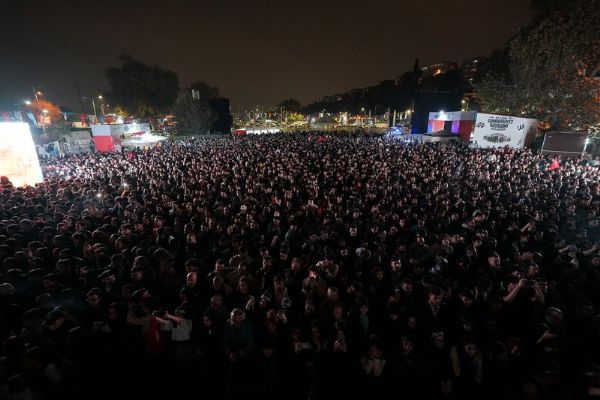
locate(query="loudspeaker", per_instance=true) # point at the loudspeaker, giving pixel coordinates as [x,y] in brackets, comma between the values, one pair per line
[220,107]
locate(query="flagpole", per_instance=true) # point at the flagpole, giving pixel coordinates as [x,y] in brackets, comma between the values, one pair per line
[42,116]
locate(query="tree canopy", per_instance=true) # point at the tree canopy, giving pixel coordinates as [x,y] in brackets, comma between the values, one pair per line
[45,107]
[290,105]
[553,69]
[142,89]
[194,116]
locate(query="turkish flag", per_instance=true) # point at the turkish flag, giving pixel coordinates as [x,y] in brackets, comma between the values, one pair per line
[555,165]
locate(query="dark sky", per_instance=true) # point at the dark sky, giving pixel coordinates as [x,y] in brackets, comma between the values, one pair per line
[255,51]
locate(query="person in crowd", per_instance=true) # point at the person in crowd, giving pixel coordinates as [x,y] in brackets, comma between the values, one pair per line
[333,264]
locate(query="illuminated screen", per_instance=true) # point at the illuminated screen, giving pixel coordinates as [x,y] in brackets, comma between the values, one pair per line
[18,158]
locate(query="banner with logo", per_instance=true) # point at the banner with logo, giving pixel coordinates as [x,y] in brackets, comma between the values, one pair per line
[120,130]
[493,130]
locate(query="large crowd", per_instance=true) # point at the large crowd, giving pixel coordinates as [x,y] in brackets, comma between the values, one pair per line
[303,266]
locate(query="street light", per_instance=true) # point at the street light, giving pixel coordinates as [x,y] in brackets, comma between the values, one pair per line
[101,104]
[93,106]
[28,102]
[37,93]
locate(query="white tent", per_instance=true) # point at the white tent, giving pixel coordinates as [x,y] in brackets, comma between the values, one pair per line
[146,139]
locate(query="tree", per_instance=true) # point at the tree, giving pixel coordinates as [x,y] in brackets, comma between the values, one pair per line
[290,105]
[544,8]
[141,89]
[118,110]
[553,64]
[194,116]
[294,117]
[50,110]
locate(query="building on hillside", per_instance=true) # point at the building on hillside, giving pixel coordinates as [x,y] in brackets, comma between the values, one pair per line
[470,68]
[438,68]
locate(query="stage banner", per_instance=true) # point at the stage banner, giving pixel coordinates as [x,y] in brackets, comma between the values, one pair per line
[493,130]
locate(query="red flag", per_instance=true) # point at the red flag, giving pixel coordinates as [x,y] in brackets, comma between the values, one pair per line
[555,165]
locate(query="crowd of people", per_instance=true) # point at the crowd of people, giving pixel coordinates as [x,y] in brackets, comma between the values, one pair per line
[303,266]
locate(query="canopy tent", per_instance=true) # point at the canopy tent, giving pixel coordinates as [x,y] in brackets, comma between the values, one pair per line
[439,137]
[109,137]
[146,139]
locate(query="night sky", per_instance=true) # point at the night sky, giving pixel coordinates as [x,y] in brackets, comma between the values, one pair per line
[256,52]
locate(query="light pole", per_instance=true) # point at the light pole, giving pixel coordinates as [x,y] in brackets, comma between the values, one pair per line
[93,106]
[44,112]
[101,104]
[37,93]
